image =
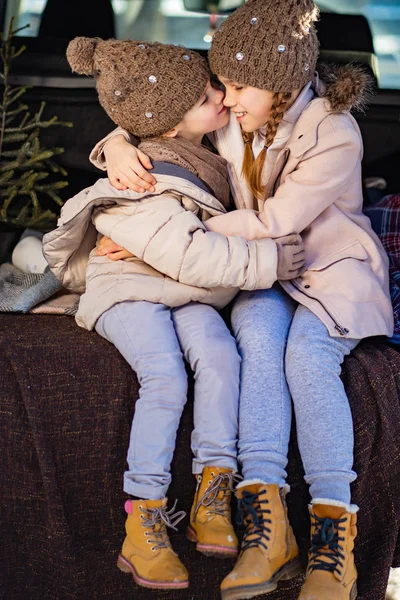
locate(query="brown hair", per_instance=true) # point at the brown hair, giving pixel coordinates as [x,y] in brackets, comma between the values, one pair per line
[252,169]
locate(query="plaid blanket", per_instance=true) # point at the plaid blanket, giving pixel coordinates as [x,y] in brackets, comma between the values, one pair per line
[385,220]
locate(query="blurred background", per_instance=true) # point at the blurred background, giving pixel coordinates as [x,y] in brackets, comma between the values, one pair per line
[366,31]
[191,22]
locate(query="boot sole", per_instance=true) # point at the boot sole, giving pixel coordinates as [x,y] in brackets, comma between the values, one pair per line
[126,567]
[210,549]
[354,592]
[290,570]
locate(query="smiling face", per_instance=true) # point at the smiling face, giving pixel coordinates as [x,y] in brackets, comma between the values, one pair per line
[207,115]
[250,105]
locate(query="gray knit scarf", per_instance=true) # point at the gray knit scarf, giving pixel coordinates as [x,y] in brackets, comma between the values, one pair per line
[200,161]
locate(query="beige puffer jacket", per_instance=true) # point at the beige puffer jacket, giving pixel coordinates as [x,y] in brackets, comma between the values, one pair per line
[177,262]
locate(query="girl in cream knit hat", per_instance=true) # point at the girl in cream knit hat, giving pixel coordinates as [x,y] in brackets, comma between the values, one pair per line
[294,157]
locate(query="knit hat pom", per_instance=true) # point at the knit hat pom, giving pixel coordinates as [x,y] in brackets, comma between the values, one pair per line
[80,55]
[307,18]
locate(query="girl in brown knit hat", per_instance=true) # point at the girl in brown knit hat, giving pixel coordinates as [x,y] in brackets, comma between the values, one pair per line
[294,155]
[157,308]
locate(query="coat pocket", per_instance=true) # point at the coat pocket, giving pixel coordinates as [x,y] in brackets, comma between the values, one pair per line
[345,272]
[353,250]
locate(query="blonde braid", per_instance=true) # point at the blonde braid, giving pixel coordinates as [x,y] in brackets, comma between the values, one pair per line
[253,169]
[248,158]
[278,109]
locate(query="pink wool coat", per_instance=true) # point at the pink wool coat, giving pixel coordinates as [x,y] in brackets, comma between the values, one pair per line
[315,189]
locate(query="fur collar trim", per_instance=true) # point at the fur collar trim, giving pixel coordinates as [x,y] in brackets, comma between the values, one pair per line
[348,87]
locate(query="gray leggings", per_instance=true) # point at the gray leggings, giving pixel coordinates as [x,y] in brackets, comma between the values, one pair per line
[287,353]
[154,339]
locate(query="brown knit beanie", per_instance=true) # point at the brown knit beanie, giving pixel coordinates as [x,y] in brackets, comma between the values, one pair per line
[268,44]
[144,87]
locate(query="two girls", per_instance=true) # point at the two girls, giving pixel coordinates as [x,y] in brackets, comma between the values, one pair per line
[294,157]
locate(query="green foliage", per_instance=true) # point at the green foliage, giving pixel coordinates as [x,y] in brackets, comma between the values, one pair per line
[24,164]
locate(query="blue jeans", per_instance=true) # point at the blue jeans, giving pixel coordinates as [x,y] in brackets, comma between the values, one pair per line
[287,354]
[154,340]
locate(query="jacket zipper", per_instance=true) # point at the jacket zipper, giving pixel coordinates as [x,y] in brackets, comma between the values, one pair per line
[342,330]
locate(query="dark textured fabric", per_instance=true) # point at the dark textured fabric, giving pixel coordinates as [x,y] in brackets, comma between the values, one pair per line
[66,402]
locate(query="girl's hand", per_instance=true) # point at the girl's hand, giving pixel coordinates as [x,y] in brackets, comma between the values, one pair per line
[126,166]
[113,251]
[291,256]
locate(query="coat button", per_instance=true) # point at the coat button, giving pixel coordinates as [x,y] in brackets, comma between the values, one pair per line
[307,286]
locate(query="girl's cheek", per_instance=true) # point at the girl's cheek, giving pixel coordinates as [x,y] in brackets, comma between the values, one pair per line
[225,118]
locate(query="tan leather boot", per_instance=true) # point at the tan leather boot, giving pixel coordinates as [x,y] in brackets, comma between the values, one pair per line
[331,572]
[269,550]
[210,517]
[146,552]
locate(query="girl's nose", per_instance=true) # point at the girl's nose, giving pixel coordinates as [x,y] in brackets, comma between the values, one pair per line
[229,100]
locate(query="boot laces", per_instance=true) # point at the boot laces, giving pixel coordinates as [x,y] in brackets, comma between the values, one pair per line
[326,552]
[217,495]
[251,513]
[158,519]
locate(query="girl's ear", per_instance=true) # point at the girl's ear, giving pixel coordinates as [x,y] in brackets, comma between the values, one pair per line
[172,133]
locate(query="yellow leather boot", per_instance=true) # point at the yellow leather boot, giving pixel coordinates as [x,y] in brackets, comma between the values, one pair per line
[210,517]
[269,550]
[146,552]
[331,572]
